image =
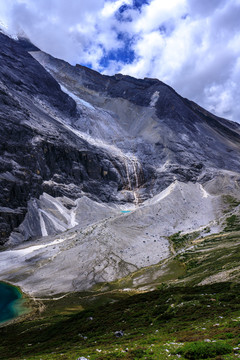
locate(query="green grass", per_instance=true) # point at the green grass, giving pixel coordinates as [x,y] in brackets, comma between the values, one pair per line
[162,324]
[155,324]
[204,350]
[215,258]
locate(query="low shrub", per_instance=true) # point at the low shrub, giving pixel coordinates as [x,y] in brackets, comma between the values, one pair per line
[204,350]
[137,353]
[233,223]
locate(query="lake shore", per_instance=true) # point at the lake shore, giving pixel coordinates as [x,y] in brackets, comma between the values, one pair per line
[14,304]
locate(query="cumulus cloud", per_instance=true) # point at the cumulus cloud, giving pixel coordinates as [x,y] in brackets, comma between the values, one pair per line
[192,45]
[198,53]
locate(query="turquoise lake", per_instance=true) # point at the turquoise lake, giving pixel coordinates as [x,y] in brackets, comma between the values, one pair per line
[11,302]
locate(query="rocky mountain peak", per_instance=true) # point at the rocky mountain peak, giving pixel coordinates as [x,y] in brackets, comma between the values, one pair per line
[101,170]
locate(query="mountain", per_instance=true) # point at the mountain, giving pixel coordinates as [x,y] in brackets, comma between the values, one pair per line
[99,173]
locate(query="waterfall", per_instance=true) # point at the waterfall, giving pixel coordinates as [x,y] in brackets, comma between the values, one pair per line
[135,173]
[127,172]
[132,171]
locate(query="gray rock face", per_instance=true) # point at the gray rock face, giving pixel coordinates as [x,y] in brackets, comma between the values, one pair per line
[156,124]
[39,151]
[45,216]
[71,132]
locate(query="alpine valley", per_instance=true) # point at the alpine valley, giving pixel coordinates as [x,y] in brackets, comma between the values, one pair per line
[118,192]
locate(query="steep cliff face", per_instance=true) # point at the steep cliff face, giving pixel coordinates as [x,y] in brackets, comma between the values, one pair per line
[39,150]
[171,137]
[163,125]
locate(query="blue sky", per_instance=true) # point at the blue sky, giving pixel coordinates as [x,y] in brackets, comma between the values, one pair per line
[192,45]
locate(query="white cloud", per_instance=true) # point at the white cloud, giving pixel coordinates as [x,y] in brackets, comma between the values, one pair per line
[198,57]
[192,45]
[111,7]
[159,12]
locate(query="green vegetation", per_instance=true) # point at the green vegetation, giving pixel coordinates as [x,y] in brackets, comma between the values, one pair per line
[212,259]
[179,241]
[156,325]
[195,313]
[204,350]
[231,202]
[233,223]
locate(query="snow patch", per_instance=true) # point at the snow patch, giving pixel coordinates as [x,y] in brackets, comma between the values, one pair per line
[204,192]
[154,98]
[12,260]
[78,100]
[42,224]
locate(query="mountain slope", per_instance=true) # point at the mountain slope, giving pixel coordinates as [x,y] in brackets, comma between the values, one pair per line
[39,150]
[171,137]
[98,172]
[162,122]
